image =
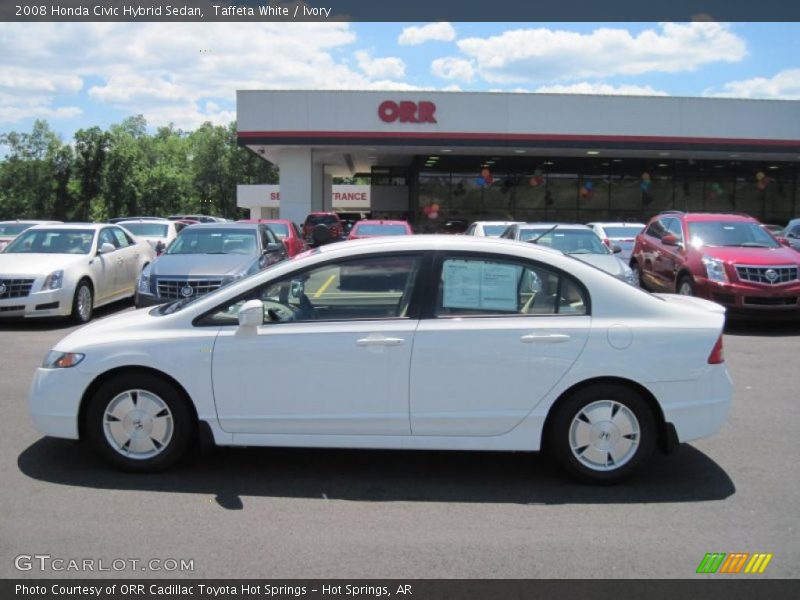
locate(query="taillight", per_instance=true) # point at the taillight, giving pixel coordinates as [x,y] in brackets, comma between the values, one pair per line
[717,356]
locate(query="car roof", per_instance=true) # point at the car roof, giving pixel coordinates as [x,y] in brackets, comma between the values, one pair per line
[561,226]
[26,221]
[242,226]
[381,222]
[705,216]
[434,242]
[616,224]
[94,226]
[164,221]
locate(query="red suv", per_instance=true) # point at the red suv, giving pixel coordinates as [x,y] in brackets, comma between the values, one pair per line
[329,219]
[286,231]
[726,258]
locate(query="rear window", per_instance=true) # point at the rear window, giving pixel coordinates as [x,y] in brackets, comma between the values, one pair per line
[494,230]
[628,231]
[321,219]
[279,229]
[14,228]
[147,229]
[381,230]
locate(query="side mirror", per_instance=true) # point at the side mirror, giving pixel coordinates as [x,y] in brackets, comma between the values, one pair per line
[783,240]
[273,248]
[297,289]
[251,314]
[616,249]
[669,240]
[106,248]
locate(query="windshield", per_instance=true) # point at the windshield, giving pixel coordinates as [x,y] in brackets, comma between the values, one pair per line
[279,229]
[380,229]
[625,231]
[730,233]
[494,230]
[52,241]
[324,219]
[146,229]
[9,229]
[214,241]
[569,241]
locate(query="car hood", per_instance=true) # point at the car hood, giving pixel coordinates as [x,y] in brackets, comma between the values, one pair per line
[33,264]
[607,262]
[753,256]
[192,265]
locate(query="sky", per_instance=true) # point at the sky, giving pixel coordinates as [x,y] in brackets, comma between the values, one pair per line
[78,75]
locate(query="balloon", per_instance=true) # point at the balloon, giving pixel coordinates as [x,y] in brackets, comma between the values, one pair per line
[433,215]
[588,185]
[486,173]
[584,193]
[761,185]
[434,207]
[480,181]
[426,210]
[534,182]
[759,176]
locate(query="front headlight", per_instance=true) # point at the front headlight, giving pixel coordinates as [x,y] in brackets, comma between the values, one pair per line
[61,360]
[144,281]
[54,281]
[715,269]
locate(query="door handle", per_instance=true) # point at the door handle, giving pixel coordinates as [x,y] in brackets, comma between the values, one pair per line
[547,338]
[380,341]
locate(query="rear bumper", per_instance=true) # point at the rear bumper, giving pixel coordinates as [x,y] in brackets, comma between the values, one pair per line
[698,408]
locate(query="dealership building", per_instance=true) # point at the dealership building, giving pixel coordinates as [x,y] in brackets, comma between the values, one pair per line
[533,157]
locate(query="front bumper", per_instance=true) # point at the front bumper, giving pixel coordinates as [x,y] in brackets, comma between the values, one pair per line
[54,401]
[45,303]
[741,297]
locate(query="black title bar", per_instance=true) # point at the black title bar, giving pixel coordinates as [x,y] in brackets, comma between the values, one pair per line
[400,10]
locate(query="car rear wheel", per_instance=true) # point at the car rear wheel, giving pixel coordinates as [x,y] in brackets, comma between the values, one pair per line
[601,434]
[82,303]
[139,423]
[685,286]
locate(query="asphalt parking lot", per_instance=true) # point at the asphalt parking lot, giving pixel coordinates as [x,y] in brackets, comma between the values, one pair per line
[280,513]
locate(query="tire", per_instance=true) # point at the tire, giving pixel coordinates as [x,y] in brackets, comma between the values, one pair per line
[588,433]
[637,273]
[82,303]
[685,286]
[147,411]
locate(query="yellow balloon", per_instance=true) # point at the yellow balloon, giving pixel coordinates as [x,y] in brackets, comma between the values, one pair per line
[759,176]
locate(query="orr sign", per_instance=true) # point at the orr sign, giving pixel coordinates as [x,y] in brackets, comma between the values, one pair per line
[407,112]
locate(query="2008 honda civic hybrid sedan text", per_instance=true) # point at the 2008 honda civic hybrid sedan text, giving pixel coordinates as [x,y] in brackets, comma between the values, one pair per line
[470,344]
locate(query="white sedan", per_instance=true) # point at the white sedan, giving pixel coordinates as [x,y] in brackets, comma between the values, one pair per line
[67,270]
[158,233]
[453,350]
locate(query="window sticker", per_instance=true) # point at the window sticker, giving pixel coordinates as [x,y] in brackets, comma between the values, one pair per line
[480,285]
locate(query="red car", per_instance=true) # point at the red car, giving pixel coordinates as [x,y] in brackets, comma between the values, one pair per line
[286,231]
[727,258]
[329,219]
[367,228]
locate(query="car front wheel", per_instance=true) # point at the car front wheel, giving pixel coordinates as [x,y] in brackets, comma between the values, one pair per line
[139,422]
[82,303]
[685,286]
[603,433]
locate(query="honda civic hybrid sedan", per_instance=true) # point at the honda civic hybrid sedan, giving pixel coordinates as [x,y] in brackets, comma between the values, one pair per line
[482,344]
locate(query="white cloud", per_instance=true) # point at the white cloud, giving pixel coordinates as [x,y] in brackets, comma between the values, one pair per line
[784,85]
[586,87]
[389,67]
[453,68]
[439,32]
[184,73]
[543,55]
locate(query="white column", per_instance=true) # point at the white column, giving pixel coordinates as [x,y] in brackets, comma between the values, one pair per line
[298,187]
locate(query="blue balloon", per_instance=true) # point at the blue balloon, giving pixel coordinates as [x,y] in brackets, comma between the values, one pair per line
[588,185]
[480,181]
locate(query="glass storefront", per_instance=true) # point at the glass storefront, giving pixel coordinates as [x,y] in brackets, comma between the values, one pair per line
[584,189]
